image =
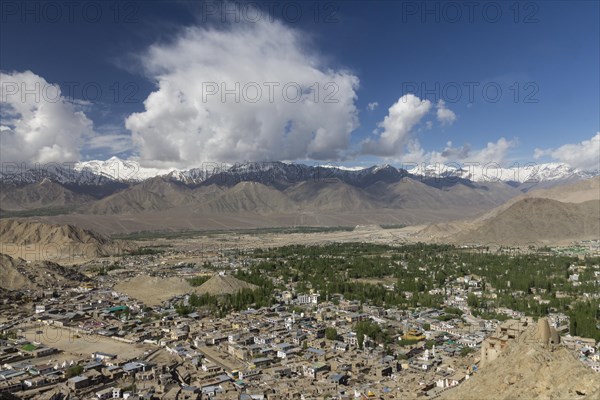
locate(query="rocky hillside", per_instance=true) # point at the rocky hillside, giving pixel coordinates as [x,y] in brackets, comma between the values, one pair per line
[41,241]
[17,274]
[528,369]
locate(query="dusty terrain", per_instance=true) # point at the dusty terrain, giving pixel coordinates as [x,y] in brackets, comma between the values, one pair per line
[153,290]
[179,219]
[214,242]
[76,345]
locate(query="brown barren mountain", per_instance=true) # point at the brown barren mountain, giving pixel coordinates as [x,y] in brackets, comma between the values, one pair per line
[154,194]
[539,221]
[246,197]
[331,195]
[547,216]
[46,194]
[326,195]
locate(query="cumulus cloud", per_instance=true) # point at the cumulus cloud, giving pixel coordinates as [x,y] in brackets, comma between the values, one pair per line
[451,153]
[396,128]
[493,152]
[242,92]
[39,124]
[444,115]
[372,106]
[414,153]
[584,155]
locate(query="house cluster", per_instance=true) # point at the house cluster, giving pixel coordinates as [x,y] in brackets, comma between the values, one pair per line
[303,347]
[586,349]
[274,352]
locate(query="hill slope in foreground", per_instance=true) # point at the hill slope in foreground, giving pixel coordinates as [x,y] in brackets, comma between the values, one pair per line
[16,275]
[529,370]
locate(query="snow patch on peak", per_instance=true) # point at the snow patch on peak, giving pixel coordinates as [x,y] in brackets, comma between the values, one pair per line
[342,168]
[526,173]
[121,170]
[383,167]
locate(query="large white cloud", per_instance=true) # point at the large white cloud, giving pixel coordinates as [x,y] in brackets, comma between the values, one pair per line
[396,128]
[584,155]
[183,123]
[38,123]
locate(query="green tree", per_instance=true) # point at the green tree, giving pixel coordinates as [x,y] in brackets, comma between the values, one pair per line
[73,371]
[465,351]
[472,300]
[331,333]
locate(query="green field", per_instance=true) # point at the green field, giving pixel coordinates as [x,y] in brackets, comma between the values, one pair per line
[29,347]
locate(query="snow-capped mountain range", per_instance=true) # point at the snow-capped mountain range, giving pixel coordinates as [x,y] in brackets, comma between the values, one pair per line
[127,171]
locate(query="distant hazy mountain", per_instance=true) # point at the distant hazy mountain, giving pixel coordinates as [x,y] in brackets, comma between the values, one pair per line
[44,194]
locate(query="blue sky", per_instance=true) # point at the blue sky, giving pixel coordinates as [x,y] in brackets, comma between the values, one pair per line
[543,56]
